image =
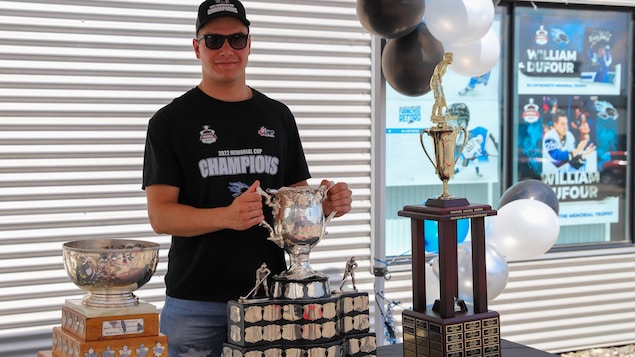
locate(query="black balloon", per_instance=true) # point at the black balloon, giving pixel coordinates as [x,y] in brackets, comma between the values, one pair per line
[408,62]
[390,18]
[533,190]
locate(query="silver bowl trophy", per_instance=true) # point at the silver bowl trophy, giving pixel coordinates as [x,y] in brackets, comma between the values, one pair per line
[301,316]
[449,326]
[110,320]
[110,270]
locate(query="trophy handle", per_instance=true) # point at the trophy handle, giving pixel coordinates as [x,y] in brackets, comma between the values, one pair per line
[272,235]
[462,145]
[425,131]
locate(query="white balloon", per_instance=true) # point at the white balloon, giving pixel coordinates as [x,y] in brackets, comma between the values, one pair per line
[433,291]
[475,58]
[456,21]
[496,267]
[523,229]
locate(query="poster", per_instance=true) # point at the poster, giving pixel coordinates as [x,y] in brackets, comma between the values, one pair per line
[476,104]
[571,108]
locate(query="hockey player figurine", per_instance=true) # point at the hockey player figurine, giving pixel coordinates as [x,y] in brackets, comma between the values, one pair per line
[351,265]
[261,279]
[439,108]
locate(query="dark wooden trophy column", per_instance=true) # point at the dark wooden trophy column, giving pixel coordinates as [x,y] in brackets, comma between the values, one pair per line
[449,327]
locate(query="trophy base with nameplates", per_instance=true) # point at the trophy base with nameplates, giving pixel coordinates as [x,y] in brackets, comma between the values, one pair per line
[91,331]
[110,320]
[465,335]
[449,327]
[333,326]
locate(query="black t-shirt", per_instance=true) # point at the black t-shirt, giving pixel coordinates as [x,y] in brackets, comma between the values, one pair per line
[213,150]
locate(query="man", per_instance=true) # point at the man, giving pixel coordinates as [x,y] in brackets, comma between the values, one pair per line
[559,151]
[206,154]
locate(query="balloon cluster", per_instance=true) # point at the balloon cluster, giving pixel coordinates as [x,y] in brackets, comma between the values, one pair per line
[419,32]
[526,226]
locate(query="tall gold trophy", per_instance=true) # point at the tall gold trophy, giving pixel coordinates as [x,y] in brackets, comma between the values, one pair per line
[449,326]
[444,137]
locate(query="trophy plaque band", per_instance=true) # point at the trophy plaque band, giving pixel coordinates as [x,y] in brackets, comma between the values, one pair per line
[313,288]
[68,345]
[427,334]
[334,326]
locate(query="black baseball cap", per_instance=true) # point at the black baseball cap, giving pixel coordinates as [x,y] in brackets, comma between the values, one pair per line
[213,9]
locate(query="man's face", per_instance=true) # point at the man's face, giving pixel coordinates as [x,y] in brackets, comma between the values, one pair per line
[225,65]
[561,124]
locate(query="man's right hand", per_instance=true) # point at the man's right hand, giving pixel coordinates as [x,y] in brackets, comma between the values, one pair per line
[246,210]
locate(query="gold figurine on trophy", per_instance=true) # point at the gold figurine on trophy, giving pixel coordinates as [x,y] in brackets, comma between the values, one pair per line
[440,108]
[443,133]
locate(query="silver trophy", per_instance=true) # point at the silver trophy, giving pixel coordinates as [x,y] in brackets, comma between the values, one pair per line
[110,269]
[298,225]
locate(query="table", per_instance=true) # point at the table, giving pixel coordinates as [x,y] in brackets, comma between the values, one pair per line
[510,349]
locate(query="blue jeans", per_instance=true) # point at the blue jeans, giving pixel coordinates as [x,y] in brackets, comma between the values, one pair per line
[194,327]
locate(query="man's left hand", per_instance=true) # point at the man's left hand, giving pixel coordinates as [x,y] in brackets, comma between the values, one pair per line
[338,198]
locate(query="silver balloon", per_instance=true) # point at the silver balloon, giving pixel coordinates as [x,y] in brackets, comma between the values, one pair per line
[532,190]
[408,62]
[497,271]
[523,229]
[390,18]
[433,291]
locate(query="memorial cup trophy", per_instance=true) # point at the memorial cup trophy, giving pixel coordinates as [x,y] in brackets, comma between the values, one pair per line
[301,316]
[110,320]
[299,224]
[449,326]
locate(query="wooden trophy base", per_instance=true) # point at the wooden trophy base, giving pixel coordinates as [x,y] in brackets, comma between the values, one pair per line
[466,334]
[96,324]
[91,332]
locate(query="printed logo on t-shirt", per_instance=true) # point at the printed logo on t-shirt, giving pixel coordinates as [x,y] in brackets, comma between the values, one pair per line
[207,135]
[266,132]
[237,188]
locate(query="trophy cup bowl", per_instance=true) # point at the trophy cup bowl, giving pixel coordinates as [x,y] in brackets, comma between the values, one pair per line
[446,152]
[298,225]
[110,269]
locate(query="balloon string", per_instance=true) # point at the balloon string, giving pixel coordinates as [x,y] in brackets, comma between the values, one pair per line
[389,324]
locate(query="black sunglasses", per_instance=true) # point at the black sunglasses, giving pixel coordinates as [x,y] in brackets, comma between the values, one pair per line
[237,41]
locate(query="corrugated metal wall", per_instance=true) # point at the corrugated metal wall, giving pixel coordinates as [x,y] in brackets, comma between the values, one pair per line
[78,82]
[561,302]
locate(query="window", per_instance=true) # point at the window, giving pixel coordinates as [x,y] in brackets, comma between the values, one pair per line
[571,116]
